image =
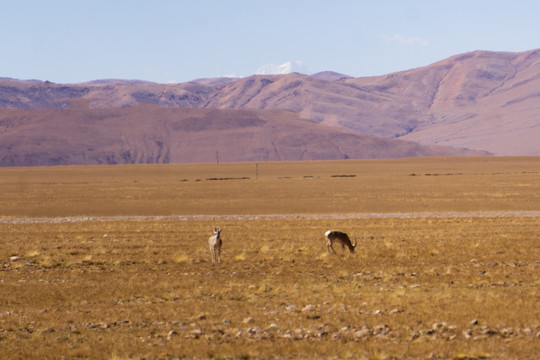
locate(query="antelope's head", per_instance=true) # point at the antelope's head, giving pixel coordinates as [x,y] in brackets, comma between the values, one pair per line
[353,246]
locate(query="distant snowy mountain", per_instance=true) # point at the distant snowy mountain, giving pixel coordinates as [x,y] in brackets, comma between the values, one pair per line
[286,68]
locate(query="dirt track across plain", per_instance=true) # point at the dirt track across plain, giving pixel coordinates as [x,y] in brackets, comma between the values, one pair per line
[483,214]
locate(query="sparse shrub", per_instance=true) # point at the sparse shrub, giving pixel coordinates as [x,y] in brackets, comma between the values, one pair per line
[241,256]
[181,258]
[32,253]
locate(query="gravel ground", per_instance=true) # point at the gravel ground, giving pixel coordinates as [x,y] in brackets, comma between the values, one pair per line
[9,220]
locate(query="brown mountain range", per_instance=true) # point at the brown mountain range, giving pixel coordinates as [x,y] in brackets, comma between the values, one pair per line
[485,101]
[147,133]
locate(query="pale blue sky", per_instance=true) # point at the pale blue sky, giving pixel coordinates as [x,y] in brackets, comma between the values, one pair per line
[68,41]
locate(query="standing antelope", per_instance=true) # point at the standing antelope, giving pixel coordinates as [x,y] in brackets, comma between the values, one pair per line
[215,245]
[341,238]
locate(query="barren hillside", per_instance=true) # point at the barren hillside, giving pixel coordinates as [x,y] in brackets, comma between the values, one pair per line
[485,101]
[147,133]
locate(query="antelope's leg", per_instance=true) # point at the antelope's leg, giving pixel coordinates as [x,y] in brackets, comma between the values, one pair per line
[329,246]
[212,252]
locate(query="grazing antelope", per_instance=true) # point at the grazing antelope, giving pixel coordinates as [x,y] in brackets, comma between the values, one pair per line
[215,245]
[341,238]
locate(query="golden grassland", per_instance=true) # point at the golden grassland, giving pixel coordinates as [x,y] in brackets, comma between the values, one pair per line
[418,286]
[406,185]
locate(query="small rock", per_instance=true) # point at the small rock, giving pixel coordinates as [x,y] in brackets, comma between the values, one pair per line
[254,330]
[171,334]
[474,322]
[291,308]
[287,335]
[308,308]
[361,333]
[438,326]
[382,329]
[248,320]
[14,258]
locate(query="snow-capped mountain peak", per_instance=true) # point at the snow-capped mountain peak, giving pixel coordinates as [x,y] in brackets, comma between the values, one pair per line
[285,68]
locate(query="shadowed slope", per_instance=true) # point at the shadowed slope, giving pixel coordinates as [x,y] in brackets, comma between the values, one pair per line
[147,133]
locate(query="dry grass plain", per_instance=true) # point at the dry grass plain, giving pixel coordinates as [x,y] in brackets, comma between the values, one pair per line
[458,279]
